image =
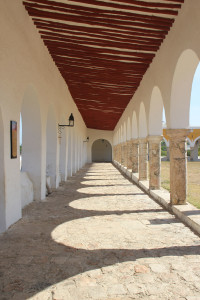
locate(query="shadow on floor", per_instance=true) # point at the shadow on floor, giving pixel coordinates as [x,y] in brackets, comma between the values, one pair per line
[29,255]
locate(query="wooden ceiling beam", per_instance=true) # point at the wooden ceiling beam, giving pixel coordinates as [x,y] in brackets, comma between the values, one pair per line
[106,31]
[75,37]
[114,5]
[103,48]
[109,23]
[100,48]
[175,5]
[98,62]
[102,15]
[101,55]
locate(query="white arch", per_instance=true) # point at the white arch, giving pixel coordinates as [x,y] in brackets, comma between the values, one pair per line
[181,89]
[189,141]
[76,151]
[32,142]
[128,129]
[155,112]
[134,126]
[194,142]
[52,157]
[2,179]
[63,152]
[142,121]
[115,139]
[73,151]
[166,142]
[69,151]
[121,134]
[124,136]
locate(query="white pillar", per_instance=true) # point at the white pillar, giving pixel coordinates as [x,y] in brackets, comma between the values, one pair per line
[64,153]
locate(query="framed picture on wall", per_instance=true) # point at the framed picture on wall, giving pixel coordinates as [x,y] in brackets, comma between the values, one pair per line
[13,138]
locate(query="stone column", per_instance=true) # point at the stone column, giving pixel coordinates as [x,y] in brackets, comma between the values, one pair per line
[120,153]
[178,165]
[143,159]
[125,154]
[114,153]
[129,155]
[168,154]
[194,152]
[154,162]
[135,155]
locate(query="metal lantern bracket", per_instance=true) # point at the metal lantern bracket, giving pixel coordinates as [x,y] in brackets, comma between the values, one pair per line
[87,140]
[61,126]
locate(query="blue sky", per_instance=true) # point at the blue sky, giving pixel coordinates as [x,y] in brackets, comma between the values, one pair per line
[195,100]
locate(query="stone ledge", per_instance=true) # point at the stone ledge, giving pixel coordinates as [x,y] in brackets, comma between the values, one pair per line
[135,177]
[188,214]
[129,173]
[162,196]
[144,184]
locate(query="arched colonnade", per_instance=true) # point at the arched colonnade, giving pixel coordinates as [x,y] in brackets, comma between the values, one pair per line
[143,123]
[47,153]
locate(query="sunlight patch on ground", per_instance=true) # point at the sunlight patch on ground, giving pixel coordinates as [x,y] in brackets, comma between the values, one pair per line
[108,203]
[106,190]
[102,232]
[111,232]
[107,182]
[103,177]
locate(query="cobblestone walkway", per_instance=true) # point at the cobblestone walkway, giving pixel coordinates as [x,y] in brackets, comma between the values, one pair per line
[99,237]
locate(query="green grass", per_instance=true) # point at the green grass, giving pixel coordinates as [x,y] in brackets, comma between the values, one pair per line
[193,175]
[163,152]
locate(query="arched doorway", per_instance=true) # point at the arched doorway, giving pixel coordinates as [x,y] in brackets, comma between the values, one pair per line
[101,151]
[195,150]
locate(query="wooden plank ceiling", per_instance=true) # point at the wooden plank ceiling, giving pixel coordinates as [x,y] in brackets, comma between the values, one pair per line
[103,48]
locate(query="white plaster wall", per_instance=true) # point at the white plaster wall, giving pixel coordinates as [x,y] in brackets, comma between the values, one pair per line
[129,135]
[142,121]
[94,135]
[69,164]
[134,126]
[31,138]
[64,154]
[2,180]
[26,62]
[155,112]
[26,189]
[52,149]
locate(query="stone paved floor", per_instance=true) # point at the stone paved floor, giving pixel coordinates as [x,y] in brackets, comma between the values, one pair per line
[99,237]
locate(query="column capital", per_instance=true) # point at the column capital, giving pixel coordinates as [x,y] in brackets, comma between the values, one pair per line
[155,138]
[134,141]
[178,133]
[142,140]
